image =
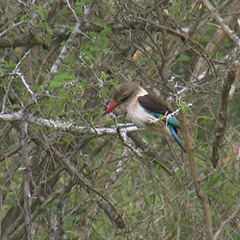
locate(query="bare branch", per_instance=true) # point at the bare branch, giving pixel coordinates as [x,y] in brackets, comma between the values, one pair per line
[73,11]
[149,151]
[236,81]
[65,126]
[10,153]
[122,163]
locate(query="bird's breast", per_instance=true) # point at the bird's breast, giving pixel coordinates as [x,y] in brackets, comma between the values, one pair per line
[143,119]
[139,116]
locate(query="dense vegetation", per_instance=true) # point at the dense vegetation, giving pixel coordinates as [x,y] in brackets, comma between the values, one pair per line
[68,173]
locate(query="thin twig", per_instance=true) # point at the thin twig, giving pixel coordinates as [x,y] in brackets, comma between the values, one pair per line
[14,72]
[64,51]
[10,28]
[26,85]
[73,11]
[124,138]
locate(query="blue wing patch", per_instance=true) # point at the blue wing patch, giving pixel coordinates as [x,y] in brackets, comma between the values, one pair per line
[172,120]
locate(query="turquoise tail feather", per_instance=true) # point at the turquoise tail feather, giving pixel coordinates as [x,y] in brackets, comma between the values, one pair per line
[176,137]
[172,124]
[173,121]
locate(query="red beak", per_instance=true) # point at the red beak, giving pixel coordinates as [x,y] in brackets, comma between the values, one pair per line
[111,107]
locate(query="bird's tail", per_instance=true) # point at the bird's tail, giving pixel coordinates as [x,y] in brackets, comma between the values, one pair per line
[176,137]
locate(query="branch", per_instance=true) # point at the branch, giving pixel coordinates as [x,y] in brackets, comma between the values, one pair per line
[195,176]
[65,126]
[10,153]
[106,206]
[121,130]
[223,114]
[65,48]
[121,167]
[26,41]
[72,10]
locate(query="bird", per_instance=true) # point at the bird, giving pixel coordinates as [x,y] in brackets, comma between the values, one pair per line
[146,111]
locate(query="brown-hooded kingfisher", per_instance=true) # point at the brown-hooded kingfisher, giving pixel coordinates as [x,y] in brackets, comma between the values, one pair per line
[146,111]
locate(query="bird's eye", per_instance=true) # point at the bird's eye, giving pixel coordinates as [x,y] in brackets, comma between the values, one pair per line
[124,99]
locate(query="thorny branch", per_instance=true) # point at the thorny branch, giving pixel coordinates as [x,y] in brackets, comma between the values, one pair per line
[122,130]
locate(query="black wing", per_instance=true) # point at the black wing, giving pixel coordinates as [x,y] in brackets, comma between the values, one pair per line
[154,104]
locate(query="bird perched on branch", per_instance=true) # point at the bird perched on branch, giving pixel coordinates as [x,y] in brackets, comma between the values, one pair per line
[146,111]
